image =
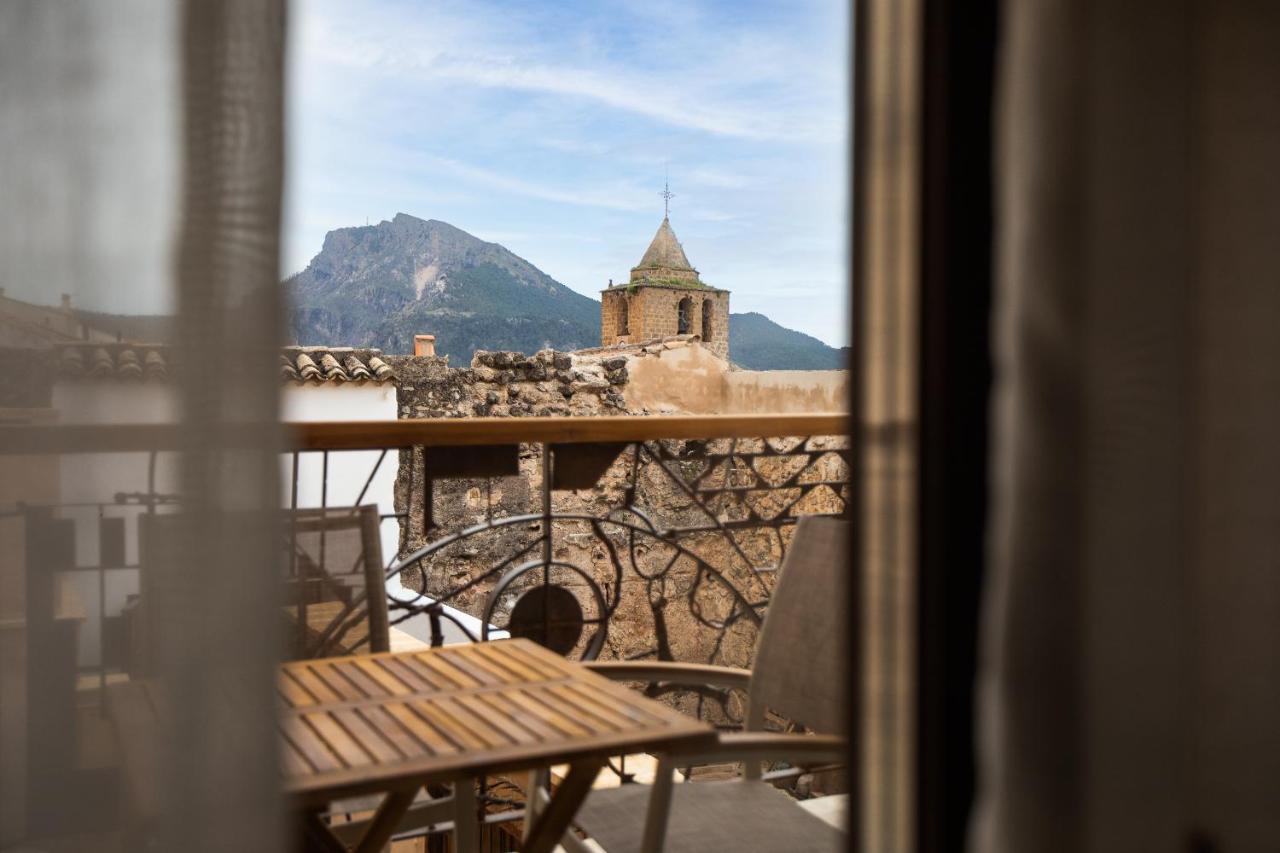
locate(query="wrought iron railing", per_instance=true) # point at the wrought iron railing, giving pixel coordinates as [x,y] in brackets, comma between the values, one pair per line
[617,537]
[632,538]
[620,542]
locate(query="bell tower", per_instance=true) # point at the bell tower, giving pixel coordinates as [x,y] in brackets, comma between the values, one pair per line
[665,296]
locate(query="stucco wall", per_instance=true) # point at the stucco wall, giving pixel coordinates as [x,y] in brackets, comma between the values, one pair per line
[685,377]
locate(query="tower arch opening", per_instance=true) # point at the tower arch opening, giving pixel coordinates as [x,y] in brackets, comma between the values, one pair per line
[684,310]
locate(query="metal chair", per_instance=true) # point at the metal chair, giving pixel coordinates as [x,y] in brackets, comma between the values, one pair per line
[799,673]
[334,600]
[335,588]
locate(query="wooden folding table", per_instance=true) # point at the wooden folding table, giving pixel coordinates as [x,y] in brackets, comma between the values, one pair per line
[391,723]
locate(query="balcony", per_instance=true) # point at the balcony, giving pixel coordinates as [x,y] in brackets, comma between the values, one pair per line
[614,539]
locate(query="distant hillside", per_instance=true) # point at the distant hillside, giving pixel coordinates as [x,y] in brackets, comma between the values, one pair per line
[758,343]
[379,285]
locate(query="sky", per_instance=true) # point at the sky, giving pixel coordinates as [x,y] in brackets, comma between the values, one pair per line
[548,127]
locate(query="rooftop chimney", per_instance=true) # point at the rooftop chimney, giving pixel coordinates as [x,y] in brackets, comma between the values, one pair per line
[66,302]
[424,344]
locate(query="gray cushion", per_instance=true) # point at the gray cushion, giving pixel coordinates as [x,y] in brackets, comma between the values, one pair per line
[709,816]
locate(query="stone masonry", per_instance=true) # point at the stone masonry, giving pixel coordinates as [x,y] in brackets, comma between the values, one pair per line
[665,296]
[583,383]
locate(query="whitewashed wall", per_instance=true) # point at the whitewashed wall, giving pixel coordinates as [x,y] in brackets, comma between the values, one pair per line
[94,478]
[348,470]
[97,478]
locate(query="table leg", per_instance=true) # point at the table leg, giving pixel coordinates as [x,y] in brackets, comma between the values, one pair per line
[466,829]
[316,837]
[554,820]
[386,819]
[532,799]
[655,824]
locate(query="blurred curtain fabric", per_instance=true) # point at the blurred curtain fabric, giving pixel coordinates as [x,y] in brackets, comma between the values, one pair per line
[1130,684]
[140,173]
[219,653]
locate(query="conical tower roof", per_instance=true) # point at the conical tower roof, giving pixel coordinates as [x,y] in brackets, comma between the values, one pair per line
[665,251]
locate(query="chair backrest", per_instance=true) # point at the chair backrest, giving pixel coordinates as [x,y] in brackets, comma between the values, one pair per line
[335,589]
[334,596]
[799,669]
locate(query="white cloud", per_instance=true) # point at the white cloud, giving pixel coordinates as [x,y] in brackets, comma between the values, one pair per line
[721,87]
[547,128]
[623,197]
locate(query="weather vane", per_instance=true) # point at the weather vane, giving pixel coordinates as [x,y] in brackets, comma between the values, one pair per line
[667,195]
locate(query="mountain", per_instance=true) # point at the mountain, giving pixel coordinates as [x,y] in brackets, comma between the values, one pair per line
[758,343]
[379,285]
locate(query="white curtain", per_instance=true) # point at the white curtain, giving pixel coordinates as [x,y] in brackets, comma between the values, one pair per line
[1130,685]
[140,173]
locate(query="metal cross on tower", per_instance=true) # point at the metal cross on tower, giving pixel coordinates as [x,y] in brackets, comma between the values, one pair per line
[667,195]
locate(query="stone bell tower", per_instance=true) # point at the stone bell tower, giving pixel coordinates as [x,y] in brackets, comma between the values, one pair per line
[665,297]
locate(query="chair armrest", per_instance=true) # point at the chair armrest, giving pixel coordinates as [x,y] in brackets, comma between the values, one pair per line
[765,746]
[671,673]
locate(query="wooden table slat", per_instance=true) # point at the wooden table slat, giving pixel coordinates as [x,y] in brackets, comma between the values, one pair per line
[623,705]
[400,668]
[313,685]
[595,722]
[295,695]
[469,656]
[458,663]
[337,739]
[503,703]
[405,742]
[312,747]
[499,720]
[295,763]
[549,668]
[378,722]
[392,685]
[356,674]
[362,733]
[439,672]
[492,735]
[427,734]
[569,726]
[461,735]
[524,671]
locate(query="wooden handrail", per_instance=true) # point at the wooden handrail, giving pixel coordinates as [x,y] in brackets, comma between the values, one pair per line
[442,432]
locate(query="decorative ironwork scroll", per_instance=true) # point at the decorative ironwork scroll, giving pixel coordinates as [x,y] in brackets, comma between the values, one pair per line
[669,556]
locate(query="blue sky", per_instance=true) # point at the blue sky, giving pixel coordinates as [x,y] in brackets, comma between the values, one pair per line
[547,127]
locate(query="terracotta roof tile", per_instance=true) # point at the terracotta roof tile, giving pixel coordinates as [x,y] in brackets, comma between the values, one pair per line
[381,370]
[71,362]
[333,371]
[155,365]
[101,364]
[307,370]
[334,364]
[128,366]
[154,362]
[356,370]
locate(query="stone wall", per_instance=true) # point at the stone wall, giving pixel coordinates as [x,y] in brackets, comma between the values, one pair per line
[589,383]
[651,312]
[510,384]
